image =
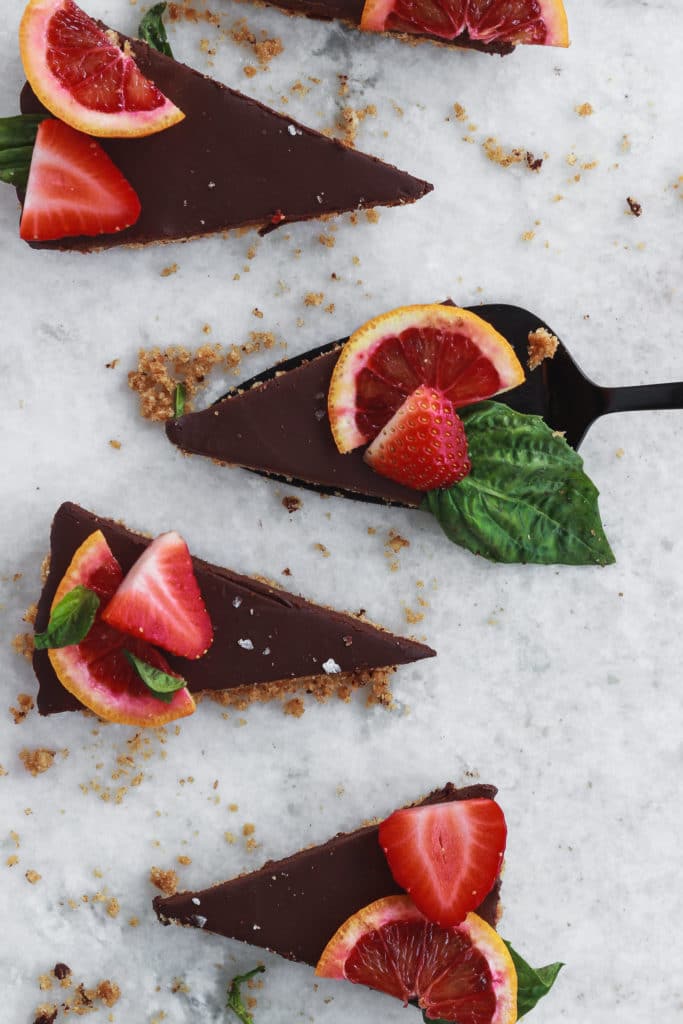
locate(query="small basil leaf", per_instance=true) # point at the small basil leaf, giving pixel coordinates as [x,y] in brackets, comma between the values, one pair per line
[17,137]
[527,498]
[158,682]
[20,130]
[70,621]
[433,1020]
[153,31]
[234,1002]
[179,400]
[532,983]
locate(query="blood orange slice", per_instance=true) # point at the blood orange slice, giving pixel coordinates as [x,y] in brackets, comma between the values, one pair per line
[543,22]
[462,974]
[444,348]
[79,72]
[96,671]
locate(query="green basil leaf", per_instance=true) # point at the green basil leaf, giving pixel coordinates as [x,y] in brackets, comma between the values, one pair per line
[527,498]
[179,400]
[532,983]
[234,1002]
[158,682]
[70,620]
[153,31]
[20,130]
[17,137]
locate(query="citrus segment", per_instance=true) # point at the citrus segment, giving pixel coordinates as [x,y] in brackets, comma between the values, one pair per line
[96,671]
[540,22]
[443,347]
[79,72]
[462,974]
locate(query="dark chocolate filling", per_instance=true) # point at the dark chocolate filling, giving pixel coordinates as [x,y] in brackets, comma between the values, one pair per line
[294,906]
[233,162]
[291,638]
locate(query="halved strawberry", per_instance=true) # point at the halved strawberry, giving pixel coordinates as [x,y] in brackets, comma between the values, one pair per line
[447,856]
[423,445]
[160,601]
[74,188]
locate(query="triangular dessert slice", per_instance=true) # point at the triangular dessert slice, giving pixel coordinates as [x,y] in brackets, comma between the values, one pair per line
[294,906]
[277,422]
[232,162]
[267,641]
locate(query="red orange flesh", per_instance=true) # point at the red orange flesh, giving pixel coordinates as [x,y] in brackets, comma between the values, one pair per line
[81,74]
[540,22]
[462,974]
[445,348]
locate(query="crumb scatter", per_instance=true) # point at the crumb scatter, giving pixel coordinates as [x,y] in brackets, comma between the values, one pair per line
[541,345]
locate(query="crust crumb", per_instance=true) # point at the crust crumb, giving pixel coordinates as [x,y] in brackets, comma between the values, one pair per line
[159,372]
[541,345]
[294,707]
[460,112]
[634,206]
[292,503]
[31,613]
[46,1013]
[498,155]
[176,11]
[322,549]
[171,269]
[313,298]
[165,881]
[264,49]
[24,701]
[33,876]
[37,761]
[349,120]
[584,110]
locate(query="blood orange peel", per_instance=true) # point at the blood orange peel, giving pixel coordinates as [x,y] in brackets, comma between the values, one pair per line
[539,22]
[462,974]
[80,73]
[442,347]
[97,671]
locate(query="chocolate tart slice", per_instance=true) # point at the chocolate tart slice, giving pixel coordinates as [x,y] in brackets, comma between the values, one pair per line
[267,642]
[232,163]
[276,423]
[294,906]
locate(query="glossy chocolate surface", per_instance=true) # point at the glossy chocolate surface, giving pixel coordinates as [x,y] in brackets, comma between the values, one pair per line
[233,162]
[294,906]
[280,426]
[298,636]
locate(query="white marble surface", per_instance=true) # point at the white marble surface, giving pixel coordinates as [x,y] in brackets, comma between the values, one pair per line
[562,686]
